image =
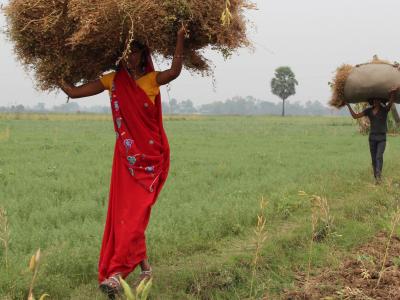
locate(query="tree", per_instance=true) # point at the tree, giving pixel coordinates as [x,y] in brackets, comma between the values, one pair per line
[187,107]
[40,107]
[19,108]
[284,84]
[173,106]
[165,107]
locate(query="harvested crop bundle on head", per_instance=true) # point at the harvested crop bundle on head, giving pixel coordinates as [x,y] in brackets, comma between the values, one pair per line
[78,40]
[363,82]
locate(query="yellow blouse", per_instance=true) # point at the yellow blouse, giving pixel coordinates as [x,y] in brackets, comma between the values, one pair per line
[147,83]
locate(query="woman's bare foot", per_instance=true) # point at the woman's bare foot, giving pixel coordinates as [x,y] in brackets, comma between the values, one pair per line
[111,286]
[146,272]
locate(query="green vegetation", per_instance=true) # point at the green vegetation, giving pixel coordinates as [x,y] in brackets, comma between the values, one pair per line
[54,180]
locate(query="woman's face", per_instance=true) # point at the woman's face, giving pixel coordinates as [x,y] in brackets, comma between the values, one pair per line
[134,57]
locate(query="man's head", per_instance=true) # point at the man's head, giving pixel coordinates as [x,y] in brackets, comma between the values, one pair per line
[376,101]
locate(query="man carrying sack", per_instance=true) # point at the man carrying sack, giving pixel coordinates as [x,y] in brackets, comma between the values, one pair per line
[377,114]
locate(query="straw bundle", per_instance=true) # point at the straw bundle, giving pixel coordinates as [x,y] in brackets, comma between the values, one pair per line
[78,40]
[363,82]
[342,73]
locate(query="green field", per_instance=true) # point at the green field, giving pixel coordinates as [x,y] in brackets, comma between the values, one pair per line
[54,180]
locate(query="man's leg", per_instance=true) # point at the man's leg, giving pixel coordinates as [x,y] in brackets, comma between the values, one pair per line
[381,146]
[373,150]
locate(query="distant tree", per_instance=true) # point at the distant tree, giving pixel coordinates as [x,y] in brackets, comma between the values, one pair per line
[19,108]
[173,106]
[165,107]
[40,107]
[284,84]
[187,107]
[70,107]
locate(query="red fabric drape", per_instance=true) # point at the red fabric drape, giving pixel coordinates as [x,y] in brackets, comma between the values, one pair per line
[140,168]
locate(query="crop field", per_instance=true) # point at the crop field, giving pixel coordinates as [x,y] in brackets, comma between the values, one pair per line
[203,237]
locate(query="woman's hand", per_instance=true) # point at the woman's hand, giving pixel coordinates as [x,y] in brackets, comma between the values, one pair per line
[182,32]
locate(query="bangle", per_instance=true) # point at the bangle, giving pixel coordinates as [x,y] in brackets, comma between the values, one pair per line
[179,56]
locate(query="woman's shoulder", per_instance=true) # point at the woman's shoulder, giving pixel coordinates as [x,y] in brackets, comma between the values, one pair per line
[108,75]
[151,74]
[107,79]
[150,78]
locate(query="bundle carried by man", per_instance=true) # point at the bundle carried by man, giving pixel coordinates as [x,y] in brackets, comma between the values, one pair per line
[361,83]
[78,40]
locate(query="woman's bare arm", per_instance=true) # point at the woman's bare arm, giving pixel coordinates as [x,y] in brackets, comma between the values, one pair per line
[88,89]
[172,73]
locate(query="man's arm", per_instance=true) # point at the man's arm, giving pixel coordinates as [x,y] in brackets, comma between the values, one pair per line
[392,97]
[354,114]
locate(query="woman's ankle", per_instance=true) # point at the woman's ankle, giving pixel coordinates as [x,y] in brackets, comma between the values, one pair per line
[145,265]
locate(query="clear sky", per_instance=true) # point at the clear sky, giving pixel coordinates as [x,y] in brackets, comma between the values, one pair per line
[313,37]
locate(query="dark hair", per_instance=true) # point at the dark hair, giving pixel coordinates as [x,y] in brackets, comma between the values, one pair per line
[143,48]
[381,101]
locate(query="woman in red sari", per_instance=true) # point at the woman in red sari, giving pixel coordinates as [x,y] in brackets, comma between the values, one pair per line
[141,158]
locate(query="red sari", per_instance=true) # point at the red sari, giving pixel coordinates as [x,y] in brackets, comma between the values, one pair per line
[140,168]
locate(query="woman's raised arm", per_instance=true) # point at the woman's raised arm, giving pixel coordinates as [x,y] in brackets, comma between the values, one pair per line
[172,73]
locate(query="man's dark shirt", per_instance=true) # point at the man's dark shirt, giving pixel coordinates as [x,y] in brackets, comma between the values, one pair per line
[378,121]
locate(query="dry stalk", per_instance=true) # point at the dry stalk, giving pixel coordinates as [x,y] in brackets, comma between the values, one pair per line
[4,234]
[321,211]
[34,268]
[394,223]
[337,85]
[260,237]
[365,273]
[314,222]
[5,135]
[363,123]
[353,293]
[226,16]
[320,214]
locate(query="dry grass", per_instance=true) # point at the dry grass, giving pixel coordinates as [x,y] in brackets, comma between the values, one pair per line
[321,227]
[394,224]
[4,235]
[259,240]
[363,123]
[77,40]
[339,81]
[5,135]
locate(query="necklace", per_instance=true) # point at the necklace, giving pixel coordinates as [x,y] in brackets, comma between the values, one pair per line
[133,74]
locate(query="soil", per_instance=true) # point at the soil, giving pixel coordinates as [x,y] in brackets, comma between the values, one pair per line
[358,276]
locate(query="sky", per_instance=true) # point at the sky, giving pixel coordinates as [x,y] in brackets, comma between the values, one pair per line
[313,37]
